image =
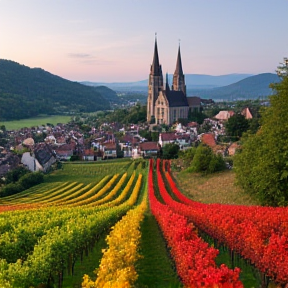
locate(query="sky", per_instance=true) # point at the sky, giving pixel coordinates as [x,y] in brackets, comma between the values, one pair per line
[113,40]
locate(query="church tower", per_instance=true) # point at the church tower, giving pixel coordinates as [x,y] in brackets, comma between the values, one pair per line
[155,84]
[178,77]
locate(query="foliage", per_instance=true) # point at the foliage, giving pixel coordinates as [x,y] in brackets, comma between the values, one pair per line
[187,156]
[170,151]
[117,267]
[198,261]
[197,116]
[258,234]
[24,182]
[261,167]
[236,125]
[35,91]
[15,174]
[206,161]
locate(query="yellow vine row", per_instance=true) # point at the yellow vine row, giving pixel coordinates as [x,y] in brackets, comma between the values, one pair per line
[88,193]
[99,194]
[117,267]
[112,193]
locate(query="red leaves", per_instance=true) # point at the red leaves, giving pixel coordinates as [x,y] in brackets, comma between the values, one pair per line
[259,234]
[194,259]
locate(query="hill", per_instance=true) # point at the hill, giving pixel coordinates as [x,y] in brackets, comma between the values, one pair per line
[27,92]
[108,94]
[249,88]
[192,81]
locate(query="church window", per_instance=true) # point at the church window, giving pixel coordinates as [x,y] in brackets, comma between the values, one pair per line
[174,114]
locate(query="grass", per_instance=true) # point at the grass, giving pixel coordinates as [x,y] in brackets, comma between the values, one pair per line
[43,120]
[214,188]
[155,268]
[87,266]
[87,172]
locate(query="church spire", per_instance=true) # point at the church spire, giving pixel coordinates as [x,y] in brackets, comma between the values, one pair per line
[179,70]
[155,68]
[178,76]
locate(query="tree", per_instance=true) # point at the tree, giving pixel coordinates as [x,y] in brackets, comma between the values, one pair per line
[236,125]
[187,156]
[205,161]
[170,151]
[15,174]
[262,164]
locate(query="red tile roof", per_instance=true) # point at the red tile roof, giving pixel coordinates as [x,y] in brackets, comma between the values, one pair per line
[209,139]
[148,146]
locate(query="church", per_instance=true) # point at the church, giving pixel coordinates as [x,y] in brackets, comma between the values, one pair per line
[166,105]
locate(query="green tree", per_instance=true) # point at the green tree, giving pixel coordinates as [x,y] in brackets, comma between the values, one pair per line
[236,125]
[262,164]
[15,174]
[187,156]
[205,161]
[170,151]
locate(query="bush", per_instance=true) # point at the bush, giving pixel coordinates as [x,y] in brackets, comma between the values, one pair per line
[10,189]
[205,161]
[31,179]
[26,181]
[15,174]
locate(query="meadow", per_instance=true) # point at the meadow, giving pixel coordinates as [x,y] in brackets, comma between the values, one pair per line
[31,122]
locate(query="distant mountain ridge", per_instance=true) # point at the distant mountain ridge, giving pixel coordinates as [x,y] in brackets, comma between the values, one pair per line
[192,81]
[253,87]
[223,87]
[27,92]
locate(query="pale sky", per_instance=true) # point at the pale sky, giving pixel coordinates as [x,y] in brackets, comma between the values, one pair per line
[113,40]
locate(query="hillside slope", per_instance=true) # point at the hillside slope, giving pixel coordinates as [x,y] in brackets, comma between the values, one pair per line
[26,92]
[248,88]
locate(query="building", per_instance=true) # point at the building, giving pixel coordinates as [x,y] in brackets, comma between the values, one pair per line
[166,105]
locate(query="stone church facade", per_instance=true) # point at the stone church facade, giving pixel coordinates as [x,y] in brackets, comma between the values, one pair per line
[166,105]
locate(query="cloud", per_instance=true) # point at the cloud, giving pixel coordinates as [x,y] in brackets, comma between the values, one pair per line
[87,58]
[80,55]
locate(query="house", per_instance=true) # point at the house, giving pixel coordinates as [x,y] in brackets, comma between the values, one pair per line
[45,156]
[64,152]
[183,140]
[233,148]
[148,149]
[109,150]
[194,103]
[31,162]
[208,139]
[88,155]
[224,115]
[246,112]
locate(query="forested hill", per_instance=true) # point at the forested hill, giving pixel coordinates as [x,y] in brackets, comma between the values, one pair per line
[252,87]
[26,92]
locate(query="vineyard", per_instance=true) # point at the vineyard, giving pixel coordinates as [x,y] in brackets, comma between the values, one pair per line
[136,229]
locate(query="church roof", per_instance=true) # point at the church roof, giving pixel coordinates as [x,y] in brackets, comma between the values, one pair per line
[155,67]
[176,98]
[178,70]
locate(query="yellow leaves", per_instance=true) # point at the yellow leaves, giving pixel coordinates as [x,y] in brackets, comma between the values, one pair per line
[117,264]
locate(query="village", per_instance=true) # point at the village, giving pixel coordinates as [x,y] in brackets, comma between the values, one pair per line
[42,148]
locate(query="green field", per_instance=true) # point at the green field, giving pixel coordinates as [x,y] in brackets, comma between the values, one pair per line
[18,124]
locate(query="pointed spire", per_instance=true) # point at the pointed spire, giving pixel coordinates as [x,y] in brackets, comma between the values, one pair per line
[167,83]
[178,70]
[155,68]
